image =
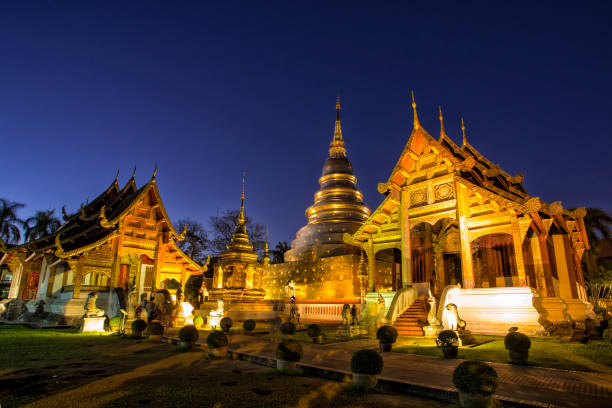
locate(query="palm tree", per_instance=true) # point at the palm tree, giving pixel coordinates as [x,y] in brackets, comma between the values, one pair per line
[597,223]
[41,224]
[10,224]
[278,254]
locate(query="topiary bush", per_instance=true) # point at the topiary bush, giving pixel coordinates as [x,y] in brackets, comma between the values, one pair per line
[288,328]
[198,321]
[447,338]
[386,334]
[156,328]
[475,377]
[226,324]
[139,325]
[249,325]
[518,342]
[189,334]
[367,362]
[114,323]
[216,339]
[314,330]
[289,350]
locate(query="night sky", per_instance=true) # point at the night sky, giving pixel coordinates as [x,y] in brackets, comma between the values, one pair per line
[208,91]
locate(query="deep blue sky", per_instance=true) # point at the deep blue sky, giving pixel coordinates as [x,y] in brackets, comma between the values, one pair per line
[208,91]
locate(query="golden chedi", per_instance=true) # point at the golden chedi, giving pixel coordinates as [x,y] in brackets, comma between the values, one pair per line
[338,207]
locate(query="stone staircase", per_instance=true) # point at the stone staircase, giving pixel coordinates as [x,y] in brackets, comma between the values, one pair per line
[15,309]
[410,322]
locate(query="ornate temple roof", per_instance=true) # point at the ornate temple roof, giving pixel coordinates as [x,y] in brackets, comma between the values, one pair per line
[240,248]
[338,205]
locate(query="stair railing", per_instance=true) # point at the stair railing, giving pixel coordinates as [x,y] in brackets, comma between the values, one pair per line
[402,300]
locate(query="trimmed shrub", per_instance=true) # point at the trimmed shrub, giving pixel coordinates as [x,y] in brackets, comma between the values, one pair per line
[475,377]
[188,334]
[288,328]
[367,362]
[216,339]
[226,324]
[156,328]
[518,342]
[249,325]
[447,338]
[386,334]
[198,321]
[314,330]
[139,325]
[289,350]
[114,323]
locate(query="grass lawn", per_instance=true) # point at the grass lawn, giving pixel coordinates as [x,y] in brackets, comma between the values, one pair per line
[544,352]
[61,368]
[331,334]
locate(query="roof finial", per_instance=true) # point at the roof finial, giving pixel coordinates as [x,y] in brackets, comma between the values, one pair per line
[336,147]
[154,171]
[442,131]
[117,176]
[416,117]
[241,215]
[463,130]
[134,172]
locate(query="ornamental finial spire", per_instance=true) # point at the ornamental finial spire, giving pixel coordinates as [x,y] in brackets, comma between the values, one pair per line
[442,131]
[416,117]
[154,171]
[241,215]
[463,130]
[134,172]
[117,177]
[336,147]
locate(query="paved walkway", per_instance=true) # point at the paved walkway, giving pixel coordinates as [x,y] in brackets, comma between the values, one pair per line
[432,376]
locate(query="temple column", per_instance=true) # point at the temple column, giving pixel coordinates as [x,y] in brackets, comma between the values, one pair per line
[404,223]
[565,290]
[518,251]
[43,279]
[371,265]
[51,282]
[159,254]
[16,282]
[78,277]
[467,266]
[538,265]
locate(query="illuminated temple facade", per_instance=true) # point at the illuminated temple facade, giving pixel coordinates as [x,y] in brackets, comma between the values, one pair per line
[122,242]
[455,223]
[320,263]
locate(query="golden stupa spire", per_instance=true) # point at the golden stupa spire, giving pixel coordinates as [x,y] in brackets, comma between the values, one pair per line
[463,130]
[241,215]
[442,131]
[336,147]
[416,117]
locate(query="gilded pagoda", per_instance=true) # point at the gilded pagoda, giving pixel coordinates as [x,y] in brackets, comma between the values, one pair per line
[458,227]
[121,242]
[320,264]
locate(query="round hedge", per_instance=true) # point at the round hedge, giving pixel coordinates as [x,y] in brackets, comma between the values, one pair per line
[518,342]
[475,377]
[226,324]
[198,321]
[249,325]
[314,330]
[189,334]
[289,350]
[288,328]
[216,339]
[367,362]
[386,334]
[447,338]
[114,323]
[156,328]
[139,325]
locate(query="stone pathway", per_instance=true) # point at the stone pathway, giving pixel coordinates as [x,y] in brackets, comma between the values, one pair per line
[432,376]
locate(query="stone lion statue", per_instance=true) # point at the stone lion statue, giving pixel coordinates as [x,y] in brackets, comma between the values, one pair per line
[91,310]
[453,319]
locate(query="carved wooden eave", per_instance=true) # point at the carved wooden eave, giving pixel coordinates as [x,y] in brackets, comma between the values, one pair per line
[60,253]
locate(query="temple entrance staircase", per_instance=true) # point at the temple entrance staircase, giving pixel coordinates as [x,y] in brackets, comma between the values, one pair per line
[15,309]
[411,322]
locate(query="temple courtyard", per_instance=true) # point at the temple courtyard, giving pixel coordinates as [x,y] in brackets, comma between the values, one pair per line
[93,370]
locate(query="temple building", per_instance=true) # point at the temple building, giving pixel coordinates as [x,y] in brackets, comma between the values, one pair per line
[321,265]
[122,242]
[456,224]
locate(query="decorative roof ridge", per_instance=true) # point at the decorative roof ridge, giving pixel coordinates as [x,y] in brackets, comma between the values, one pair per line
[193,263]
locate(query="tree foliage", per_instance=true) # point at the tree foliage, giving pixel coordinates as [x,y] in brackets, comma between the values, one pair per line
[278,253]
[10,223]
[196,243]
[41,224]
[223,227]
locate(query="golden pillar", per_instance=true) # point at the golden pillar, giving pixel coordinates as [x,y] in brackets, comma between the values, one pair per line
[467,267]
[371,266]
[565,290]
[404,223]
[538,265]
[518,251]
